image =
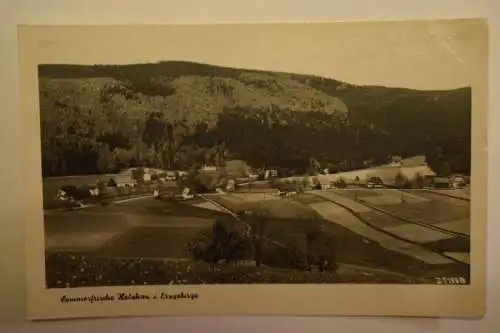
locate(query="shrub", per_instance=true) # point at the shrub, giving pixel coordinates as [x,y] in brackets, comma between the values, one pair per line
[312,172]
[200,187]
[340,183]
[101,185]
[106,202]
[401,181]
[226,240]
[138,175]
[418,181]
[198,246]
[112,182]
[283,256]
[323,251]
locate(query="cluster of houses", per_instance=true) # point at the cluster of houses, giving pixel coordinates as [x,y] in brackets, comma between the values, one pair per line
[127,178]
[377,176]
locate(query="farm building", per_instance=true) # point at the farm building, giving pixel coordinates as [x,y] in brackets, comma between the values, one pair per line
[208,168]
[458,181]
[230,186]
[438,182]
[125,178]
[325,183]
[396,161]
[126,174]
[270,173]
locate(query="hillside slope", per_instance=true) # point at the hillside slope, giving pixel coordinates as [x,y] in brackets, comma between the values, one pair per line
[174,114]
[194,97]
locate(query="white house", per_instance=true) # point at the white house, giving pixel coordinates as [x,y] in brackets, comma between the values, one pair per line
[396,161]
[458,181]
[230,185]
[208,168]
[124,180]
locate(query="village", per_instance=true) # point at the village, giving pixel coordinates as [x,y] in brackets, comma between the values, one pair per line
[411,173]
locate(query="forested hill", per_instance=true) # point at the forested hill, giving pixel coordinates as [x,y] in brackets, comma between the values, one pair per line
[176,114]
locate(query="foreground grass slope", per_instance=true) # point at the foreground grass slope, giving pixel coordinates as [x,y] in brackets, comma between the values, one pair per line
[76,270]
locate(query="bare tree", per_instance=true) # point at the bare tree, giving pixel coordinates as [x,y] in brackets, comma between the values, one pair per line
[257,223]
[312,230]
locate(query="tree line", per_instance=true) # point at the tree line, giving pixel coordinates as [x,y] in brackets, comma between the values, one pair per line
[263,138]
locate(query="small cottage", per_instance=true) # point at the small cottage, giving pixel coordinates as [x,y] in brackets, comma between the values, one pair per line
[439,182]
[458,181]
[230,186]
[325,183]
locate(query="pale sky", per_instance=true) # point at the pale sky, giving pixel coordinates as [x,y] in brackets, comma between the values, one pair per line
[421,55]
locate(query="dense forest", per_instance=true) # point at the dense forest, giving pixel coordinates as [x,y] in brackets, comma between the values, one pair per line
[173,115]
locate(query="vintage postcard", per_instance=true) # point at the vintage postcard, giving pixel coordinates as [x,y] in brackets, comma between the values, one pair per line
[255,169]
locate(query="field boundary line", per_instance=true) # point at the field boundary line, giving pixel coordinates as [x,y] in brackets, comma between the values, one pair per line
[411,221]
[382,230]
[131,199]
[237,218]
[215,203]
[447,195]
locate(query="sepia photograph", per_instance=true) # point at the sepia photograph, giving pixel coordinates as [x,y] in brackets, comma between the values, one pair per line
[181,169]
[178,172]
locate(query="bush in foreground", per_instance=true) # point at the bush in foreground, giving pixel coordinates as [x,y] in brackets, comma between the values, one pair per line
[286,243]
[226,240]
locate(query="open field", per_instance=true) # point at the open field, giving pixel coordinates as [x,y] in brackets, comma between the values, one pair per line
[91,247]
[440,224]
[463,194]
[387,173]
[144,227]
[442,211]
[355,243]
[157,232]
